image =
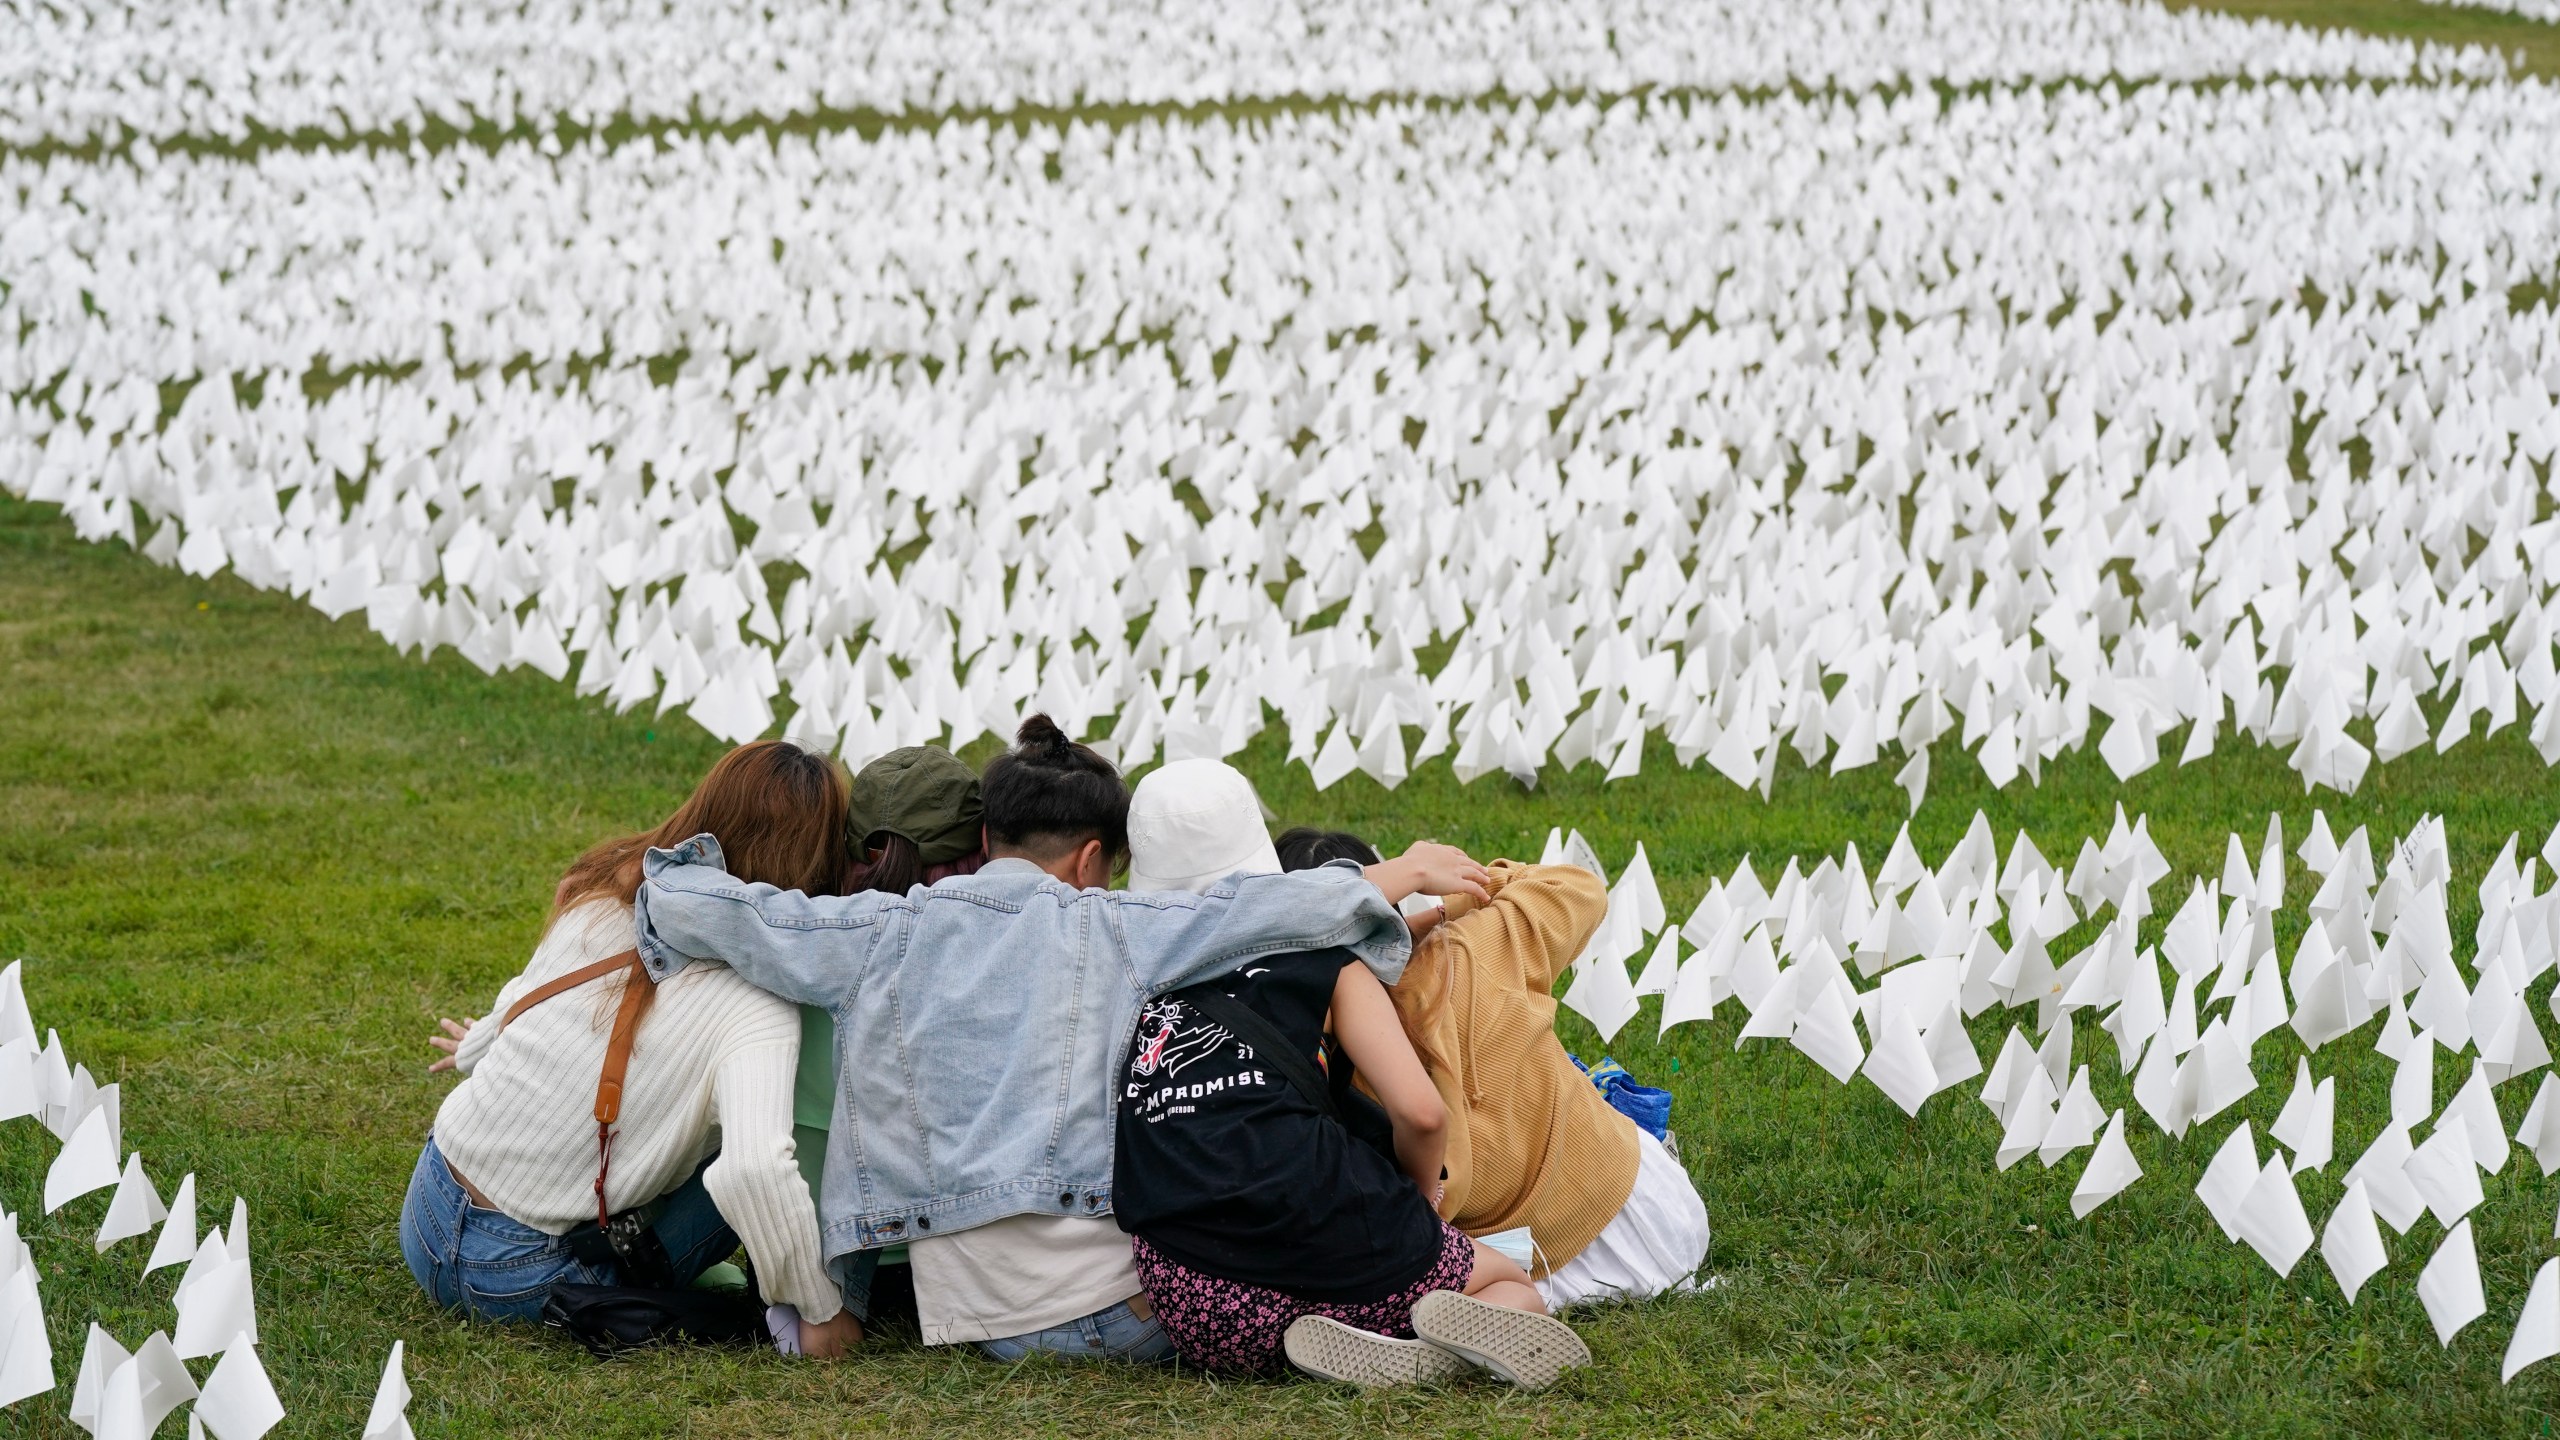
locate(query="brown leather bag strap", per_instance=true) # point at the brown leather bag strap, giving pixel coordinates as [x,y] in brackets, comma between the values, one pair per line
[560,984]
[638,992]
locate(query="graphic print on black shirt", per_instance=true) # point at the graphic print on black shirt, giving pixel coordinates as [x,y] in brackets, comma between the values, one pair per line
[1173,1034]
[1226,1168]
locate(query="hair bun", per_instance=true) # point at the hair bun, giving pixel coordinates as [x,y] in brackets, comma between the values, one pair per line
[1041,735]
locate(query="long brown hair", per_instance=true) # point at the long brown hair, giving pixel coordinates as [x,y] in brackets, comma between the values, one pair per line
[777,810]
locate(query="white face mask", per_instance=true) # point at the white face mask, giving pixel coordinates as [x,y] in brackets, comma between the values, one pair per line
[1517,1245]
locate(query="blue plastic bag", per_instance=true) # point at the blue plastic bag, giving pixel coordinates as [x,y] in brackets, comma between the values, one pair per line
[1648,1107]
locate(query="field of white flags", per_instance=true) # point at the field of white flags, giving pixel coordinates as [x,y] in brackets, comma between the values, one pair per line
[211,1309]
[1605,407]
[2132,411]
[1875,978]
[2547,11]
[162,69]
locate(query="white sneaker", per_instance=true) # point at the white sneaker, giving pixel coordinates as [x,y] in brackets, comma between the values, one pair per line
[782,1326]
[1525,1348]
[1321,1345]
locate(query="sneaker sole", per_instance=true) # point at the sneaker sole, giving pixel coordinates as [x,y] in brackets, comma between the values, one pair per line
[1328,1348]
[1529,1350]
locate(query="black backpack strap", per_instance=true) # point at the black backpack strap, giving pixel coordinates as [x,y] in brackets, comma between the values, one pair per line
[1268,1044]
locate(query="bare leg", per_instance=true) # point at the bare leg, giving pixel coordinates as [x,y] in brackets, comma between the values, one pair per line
[1497,1280]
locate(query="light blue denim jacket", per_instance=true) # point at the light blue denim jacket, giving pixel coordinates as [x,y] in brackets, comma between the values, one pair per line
[979,1021]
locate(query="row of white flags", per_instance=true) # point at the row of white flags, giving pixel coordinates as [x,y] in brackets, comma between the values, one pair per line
[1983,433]
[169,70]
[1942,945]
[2545,11]
[123,1394]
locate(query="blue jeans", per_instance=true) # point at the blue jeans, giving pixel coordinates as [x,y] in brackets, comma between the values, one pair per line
[482,1263]
[1113,1334]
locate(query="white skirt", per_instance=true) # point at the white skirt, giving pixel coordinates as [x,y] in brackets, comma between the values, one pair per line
[1653,1246]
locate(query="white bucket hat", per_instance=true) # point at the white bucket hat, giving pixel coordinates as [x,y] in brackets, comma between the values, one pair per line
[1193,823]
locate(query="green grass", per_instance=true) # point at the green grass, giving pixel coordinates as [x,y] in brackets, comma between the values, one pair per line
[252,854]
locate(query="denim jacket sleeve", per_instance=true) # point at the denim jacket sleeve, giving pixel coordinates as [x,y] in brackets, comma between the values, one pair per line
[805,948]
[1176,938]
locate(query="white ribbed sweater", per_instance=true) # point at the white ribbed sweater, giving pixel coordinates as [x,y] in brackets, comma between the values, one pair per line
[712,1071]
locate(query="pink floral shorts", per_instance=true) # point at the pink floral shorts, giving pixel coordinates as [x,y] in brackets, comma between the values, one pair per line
[1234,1328]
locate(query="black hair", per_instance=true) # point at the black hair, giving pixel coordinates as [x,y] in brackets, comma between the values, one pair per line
[1305,847]
[1049,794]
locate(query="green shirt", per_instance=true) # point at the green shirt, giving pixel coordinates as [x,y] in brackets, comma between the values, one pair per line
[813,1108]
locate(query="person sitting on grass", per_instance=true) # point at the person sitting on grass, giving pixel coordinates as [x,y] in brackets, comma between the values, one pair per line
[1531,1141]
[1263,1222]
[506,1197]
[980,1022]
[914,819]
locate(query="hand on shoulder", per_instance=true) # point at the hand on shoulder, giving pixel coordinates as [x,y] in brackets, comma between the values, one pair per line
[1429,868]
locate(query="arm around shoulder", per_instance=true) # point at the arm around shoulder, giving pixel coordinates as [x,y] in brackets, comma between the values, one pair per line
[1174,940]
[806,948]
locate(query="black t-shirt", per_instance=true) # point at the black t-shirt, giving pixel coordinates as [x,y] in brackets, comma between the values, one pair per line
[1225,1167]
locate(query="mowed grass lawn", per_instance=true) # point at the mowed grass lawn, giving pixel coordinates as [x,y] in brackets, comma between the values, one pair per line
[251,855]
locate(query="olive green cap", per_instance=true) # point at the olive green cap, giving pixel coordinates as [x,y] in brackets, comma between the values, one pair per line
[924,793]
